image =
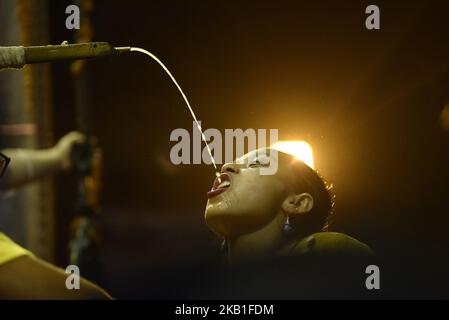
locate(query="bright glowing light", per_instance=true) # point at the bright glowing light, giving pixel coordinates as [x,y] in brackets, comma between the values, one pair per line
[299,149]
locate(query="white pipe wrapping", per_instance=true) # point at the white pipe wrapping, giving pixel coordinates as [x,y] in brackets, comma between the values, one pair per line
[12,57]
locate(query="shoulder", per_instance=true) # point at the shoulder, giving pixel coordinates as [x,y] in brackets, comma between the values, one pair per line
[332,243]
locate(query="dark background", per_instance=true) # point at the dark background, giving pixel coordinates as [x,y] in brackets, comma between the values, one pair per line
[368,102]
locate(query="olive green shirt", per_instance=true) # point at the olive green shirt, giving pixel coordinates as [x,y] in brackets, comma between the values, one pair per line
[332,243]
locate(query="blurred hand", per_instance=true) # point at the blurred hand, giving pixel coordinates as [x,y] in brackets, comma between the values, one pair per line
[64,148]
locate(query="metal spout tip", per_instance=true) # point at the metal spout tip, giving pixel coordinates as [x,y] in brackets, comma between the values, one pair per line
[122,49]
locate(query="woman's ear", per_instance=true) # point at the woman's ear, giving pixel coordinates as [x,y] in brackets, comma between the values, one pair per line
[298,204]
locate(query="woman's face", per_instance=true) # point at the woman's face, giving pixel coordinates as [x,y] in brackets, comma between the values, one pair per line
[246,200]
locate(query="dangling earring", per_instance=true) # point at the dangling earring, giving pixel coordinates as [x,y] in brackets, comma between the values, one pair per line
[224,247]
[287,226]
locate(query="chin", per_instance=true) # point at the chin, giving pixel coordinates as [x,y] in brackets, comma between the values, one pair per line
[218,219]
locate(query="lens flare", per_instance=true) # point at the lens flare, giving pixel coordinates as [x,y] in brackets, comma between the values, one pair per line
[299,149]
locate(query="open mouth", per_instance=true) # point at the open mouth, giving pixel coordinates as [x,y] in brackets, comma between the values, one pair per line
[221,184]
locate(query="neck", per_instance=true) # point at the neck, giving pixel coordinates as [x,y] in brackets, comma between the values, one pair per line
[266,242]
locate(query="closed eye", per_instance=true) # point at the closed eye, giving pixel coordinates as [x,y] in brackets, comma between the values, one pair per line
[257,163]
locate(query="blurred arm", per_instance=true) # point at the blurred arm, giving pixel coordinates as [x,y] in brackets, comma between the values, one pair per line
[29,277]
[29,165]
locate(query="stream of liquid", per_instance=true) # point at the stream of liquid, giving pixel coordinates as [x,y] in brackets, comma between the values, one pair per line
[152,56]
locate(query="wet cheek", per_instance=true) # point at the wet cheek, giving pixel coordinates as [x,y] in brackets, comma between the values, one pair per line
[250,189]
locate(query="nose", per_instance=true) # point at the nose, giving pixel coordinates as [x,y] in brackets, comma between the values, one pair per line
[231,168]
